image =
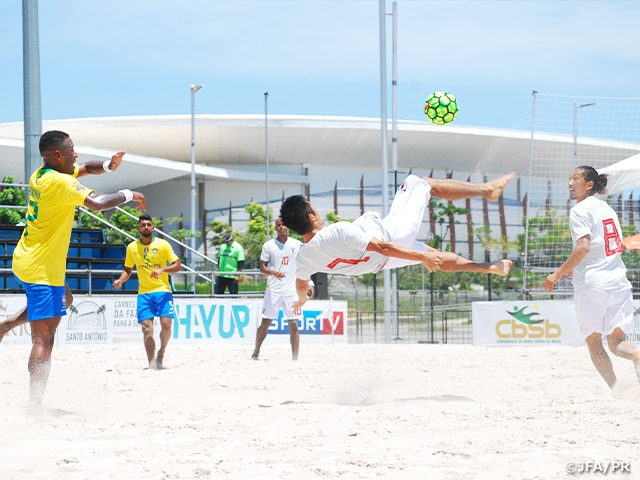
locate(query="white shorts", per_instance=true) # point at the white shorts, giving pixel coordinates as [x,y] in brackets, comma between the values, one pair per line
[272,305]
[601,312]
[405,218]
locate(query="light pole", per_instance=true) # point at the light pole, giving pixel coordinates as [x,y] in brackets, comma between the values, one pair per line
[575,129]
[266,160]
[385,161]
[194,89]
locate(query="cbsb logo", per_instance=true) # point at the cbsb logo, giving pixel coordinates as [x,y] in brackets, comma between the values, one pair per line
[524,326]
[196,320]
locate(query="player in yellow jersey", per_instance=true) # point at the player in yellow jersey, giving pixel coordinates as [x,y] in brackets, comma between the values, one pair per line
[39,260]
[154,259]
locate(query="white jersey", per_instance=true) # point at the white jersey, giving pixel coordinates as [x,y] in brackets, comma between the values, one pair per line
[341,248]
[282,258]
[602,269]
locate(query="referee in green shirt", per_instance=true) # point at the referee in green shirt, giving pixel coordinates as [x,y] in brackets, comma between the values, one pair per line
[230,259]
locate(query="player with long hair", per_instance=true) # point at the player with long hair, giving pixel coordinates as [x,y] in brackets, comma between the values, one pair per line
[604,304]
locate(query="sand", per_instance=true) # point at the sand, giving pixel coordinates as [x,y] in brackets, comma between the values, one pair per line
[344,411]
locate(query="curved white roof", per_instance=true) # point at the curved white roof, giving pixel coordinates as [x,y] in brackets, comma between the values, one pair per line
[232,146]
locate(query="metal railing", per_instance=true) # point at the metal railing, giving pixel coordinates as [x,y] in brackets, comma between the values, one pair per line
[419,326]
[91,274]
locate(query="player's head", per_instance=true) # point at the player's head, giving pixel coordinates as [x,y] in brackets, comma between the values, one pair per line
[227,238]
[145,225]
[586,181]
[281,228]
[299,215]
[56,148]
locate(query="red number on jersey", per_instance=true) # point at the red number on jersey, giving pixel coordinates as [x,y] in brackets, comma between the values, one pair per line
[612,241]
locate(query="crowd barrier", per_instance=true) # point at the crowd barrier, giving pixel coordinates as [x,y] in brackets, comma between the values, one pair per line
[112,320]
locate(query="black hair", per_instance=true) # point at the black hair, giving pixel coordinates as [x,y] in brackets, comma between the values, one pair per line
[590,174]
[145,216]
[294,213]
[52,140]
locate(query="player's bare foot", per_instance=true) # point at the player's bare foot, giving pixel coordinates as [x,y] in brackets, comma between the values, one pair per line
[498,185]
[501,267]
[254,357]
[159,359]
[153,364]
[636,362]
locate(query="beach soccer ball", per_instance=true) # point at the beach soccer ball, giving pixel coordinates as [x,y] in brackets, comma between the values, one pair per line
[441,107]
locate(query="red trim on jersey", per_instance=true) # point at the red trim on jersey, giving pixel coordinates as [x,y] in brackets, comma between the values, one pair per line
[337,261]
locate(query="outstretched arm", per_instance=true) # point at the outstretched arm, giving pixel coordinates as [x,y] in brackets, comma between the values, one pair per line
[96,167]
[302,286]
[105,201]
[583,246]
[431,259]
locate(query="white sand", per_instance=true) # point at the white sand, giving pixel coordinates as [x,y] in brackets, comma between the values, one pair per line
[349,411]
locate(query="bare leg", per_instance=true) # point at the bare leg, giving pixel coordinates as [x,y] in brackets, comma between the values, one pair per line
[149,342]
[165,335]
[455,263]
[600,359]
[294,336]
[15,320]
[624,348]
[450,189]
[42,338]
[261,334]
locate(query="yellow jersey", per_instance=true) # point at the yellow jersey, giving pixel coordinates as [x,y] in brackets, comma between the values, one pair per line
[146,259]
[41,254]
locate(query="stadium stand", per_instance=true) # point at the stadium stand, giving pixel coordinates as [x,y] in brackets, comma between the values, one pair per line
[89,262]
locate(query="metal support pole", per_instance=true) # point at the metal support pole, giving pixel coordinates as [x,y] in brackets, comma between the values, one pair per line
[395,303]
[384,159]
[266,160]
[194,89]
[31,86]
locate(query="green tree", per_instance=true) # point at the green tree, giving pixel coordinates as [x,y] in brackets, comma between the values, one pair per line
[11,196]
[256,235]
[548,244]
[219,229]
[441,216]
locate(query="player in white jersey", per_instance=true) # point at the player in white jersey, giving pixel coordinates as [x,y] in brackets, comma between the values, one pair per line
[371,243]
[604,304]
[278,263]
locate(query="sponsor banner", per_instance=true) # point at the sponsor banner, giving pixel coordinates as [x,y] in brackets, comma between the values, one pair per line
[214,320]
[109,320]
[526,323]
[634,334]
[322,321]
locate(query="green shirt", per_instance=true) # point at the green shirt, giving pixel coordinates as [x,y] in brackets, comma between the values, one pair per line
[229,256]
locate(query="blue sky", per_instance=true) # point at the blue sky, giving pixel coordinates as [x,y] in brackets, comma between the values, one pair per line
[138,57]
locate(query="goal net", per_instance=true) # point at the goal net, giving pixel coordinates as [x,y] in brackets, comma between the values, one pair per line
[569,131]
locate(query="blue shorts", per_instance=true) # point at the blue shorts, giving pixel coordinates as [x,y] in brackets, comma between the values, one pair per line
[44,301]
[155,304]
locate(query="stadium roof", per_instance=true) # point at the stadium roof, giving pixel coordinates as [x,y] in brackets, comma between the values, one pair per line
[232,147]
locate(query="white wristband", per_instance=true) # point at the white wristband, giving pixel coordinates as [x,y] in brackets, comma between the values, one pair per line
[128,194]
[105,165]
